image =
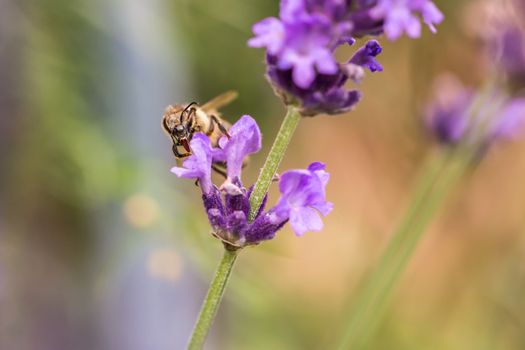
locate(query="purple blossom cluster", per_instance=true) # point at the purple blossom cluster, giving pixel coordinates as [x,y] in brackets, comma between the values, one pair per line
[300,46]
[503,35]
[506,41]
[511,48]
[451,119]
[228,206]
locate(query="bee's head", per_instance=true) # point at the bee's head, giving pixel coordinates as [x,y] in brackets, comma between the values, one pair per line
[180,131]
[181,135]
[177,121]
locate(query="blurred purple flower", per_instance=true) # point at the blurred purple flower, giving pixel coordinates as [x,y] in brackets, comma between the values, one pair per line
[445,116]
[503,34]
[302,191]
[400,16]
[450,119]
[512,51]
[300,46]
[510,120]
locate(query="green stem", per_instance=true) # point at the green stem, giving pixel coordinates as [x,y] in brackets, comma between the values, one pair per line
[212,300]
[444,171]
[290,122]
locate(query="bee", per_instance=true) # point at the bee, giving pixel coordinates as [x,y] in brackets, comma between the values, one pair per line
[182,121]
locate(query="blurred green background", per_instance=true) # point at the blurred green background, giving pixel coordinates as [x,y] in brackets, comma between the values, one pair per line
[101,247]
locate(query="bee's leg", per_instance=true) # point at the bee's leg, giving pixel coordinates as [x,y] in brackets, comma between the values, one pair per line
[177,153]
[276,177]
[191,119]
[219,170]
[221,126]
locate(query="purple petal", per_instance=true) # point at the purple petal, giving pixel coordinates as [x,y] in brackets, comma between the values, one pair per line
[291,9]
[400,20]
[305,219]
[431,15]
[400,16]
[317,168]
[198,165]
[245,139]
[269,33]
[509,123]
[308,46]
[326,63]
[303,72]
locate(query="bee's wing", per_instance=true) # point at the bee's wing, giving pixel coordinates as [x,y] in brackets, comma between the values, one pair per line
[220,101]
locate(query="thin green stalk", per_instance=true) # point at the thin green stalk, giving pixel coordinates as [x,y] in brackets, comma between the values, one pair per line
[391,267]
[290,122]
[212,300]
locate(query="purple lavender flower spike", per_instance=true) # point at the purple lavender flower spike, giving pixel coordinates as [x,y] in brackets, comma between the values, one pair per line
[450,120]
[228,208]
[503,35]
[300,52]
[328,93]
[445,116]
[198,165]
[303,198]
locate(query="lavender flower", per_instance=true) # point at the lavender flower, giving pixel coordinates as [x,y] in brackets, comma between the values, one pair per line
[300,46]
[302,191]
[303,198]
[445,116]
[503,35]
[512,53]
[450,119]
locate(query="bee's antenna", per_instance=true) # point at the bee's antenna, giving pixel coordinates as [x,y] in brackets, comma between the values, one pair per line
[185,109]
